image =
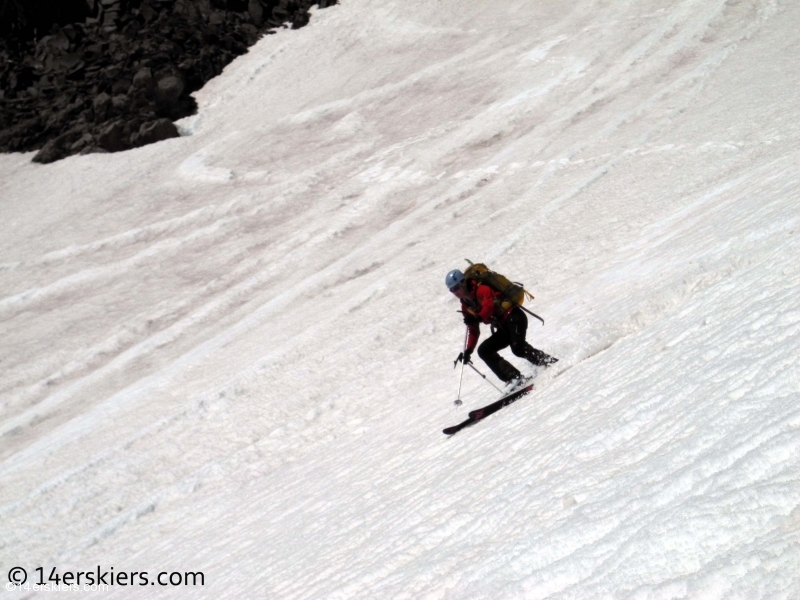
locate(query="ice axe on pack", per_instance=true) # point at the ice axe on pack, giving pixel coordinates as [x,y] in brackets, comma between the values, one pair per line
[533,314]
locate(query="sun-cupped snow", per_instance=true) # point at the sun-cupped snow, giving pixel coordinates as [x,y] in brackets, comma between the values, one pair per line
[231,353]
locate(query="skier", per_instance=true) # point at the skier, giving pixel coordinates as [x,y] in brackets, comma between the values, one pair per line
[479,304]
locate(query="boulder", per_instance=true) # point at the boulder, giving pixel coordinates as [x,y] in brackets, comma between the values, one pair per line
[143,80]
[120,104]
[154,131]
[169,89]
[256,12]
[112,138]
[53,150]
[100,106]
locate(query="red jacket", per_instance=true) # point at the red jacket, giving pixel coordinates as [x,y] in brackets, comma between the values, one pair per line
[478,306]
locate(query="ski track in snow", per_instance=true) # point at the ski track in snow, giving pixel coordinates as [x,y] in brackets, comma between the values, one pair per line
[229,352]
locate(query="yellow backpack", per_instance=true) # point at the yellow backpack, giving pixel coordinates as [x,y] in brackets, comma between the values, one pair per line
[513,293]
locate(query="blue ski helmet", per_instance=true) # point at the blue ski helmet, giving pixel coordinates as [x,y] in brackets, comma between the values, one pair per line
[454,278]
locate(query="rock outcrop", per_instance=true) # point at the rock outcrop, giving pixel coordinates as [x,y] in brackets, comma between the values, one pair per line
[80,76]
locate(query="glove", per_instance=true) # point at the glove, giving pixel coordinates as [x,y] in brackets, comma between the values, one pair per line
[463,357]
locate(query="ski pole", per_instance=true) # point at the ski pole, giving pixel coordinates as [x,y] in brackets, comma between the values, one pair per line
[457,401]
[485,378]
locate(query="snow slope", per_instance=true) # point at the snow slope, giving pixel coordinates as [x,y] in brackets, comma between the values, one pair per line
[231,352]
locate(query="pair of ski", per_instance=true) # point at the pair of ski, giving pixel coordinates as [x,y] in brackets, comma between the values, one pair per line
[482,413]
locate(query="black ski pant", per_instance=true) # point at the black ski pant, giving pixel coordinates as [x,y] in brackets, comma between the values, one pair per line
[511,333]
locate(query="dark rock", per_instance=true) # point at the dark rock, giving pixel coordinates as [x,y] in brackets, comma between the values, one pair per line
[147,12]
[110,19]
[169,89]
[154,131]
[92,149]
[21,19]
[100,107]
[111,138]
[256,12]
[93,51]
[143,80]
[85,140]
[120,86]
[120,104]
[300,19]
[58,41]
[73,32]
[69,62]
[110,74]
[55,149]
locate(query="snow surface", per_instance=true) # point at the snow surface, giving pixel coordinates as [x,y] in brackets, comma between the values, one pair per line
[231,352]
